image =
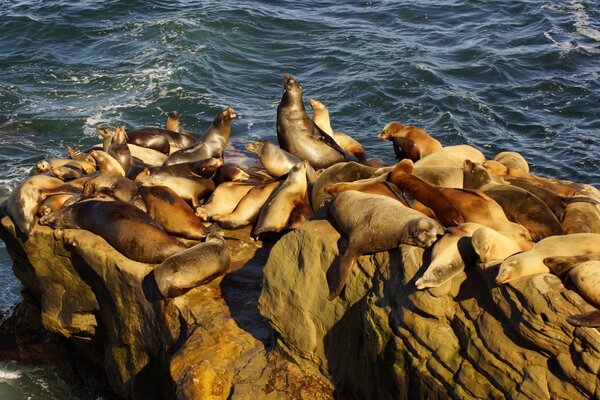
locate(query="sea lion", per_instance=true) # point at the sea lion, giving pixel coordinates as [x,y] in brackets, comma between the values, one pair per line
[409,141]
[526,209]
[23,202]
[223,200]
[146,155]
[172,213]
[191,190]
[452,156]
[275,214]
[128,229]
[117,186]
[193,267]
[56,202]
[277,161]
[438,175]
[184,137]
[298,134]
[152,138]
[492,246]
[211,144]
[532,262]
[476,176]
[321,119]
[375,223]
[106,163]
[450,255]
[341,172]
[87,165]
[230,172]
[581,217]
[67,172]
[428,195]
[195,169]
[248,208]
[512,159]
[76,154]
[116,146]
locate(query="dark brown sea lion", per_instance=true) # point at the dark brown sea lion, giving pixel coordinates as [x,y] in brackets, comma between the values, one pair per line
[193,267]
[526,209]
[195,169]
[211,144]
[127,228]
[375,223]
[116,146]
[152,138]
[185,138]
[172,212]
[409,141]
[299,135]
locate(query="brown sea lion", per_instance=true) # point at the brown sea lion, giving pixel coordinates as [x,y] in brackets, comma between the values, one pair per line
[248,208]
[512,159]
[211,144]
[195,169]
[106,163]
[191,190]
[172,213]
[409,141]
[277,161]
[321,119]
[116,146]
[223,200]
[56,202]
[183,138]
[230,172]
[450,255]
[125,227]
[275,214]
[23,202]
[452,156]
[67,172]
[526,209]
[426,194]
[341,172]
[152,138]
[298,134]
[117,186]
[375,223]
[581,217]
[532,262]
[193,267]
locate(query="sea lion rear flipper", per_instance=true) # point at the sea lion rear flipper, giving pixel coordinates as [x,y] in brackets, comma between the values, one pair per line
[337,283]
[561,264]
[590,319]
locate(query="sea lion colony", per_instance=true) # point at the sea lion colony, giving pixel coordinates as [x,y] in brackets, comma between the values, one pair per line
[151,192]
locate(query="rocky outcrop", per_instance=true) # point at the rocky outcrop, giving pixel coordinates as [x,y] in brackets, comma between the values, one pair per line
[209,343]
[383,339]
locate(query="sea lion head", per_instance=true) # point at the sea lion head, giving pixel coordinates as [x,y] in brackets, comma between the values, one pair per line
[510,269]
[225,116]
[174,115]
[42,166]
[475,175]
[105,133]
[173,121]
[120,137]
[256,146]
[390,130]
[423,232]
[316,104]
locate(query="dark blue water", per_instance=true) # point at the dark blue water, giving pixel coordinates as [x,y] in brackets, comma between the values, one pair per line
[497,74]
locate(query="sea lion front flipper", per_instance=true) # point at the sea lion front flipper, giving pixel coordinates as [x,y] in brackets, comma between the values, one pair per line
[590,319]
[329,141]
[561,264]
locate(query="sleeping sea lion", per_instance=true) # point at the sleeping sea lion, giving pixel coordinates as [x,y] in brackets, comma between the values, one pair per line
[492,246]
[152,138]
[375,223]
[452,156]
[409,141]
[106,163]
[248,208]
[223,200]
[512,159]
[117,186]
[191,190]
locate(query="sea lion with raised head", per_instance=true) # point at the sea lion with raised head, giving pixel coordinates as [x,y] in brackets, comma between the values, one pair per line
[450,255]
[172,212]
[532,262]
[211,144]
[23,202]
[128,229]
[275,214]
[277,161]
[409,141]
[116,146]
[375,223]
[299,135]
[193,267]
[321,119]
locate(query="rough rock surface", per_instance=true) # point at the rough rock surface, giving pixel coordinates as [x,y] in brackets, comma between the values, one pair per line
[383,339]
[209,343]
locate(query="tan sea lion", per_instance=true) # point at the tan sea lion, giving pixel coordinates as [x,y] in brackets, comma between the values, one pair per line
[67,172]
[277,161]
[117,186]
[492,246]
[76,154]
[532,262]
[106,163]
[230,172]
[512,159]
[409,141]
[193,267]
[450,255]
[191,190]
[581,217]
[125,227]
[275,214]
[56,202]
[87,165]
[299,135]
[248,208]
[211,144]
[172,213]
[452,156]
[375,223]
[23,202]
[438,175]
[223,200]
[321,119]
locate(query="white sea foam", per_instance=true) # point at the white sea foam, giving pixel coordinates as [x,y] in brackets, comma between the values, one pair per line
[8,375]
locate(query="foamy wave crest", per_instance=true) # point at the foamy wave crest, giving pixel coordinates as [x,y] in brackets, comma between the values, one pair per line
[8,375]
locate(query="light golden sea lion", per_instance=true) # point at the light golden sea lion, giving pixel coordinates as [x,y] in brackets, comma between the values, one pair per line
[410,141]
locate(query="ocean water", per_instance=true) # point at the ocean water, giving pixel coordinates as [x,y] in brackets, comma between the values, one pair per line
[497,74]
